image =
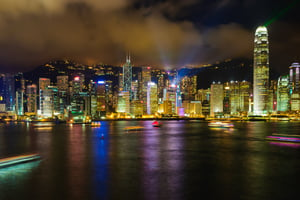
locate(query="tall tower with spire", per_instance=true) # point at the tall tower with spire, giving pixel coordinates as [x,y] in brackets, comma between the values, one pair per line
[127,75]
[261,71]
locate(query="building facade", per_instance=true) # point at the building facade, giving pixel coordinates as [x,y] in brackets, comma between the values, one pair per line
[261,71]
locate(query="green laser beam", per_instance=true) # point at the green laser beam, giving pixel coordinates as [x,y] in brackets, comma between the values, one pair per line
[282,12]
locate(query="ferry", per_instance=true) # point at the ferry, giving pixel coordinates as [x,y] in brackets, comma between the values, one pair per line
[133,128]
[256,118]
[279,117]
[10,161]
[220,124]
[95,124]
[284,138]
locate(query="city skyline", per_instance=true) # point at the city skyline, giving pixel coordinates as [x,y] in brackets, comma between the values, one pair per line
[169,34]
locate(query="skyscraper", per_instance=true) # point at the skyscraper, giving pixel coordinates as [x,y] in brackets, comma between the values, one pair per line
[31,93]
[151,98]
[146,77]
[283,94]
[295,77]
[261,71]
[127,76]
[216,100]
[43,84]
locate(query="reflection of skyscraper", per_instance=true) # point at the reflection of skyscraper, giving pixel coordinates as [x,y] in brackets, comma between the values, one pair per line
[261,71]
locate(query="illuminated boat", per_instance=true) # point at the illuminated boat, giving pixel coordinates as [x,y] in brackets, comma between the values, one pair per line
[284,138]
[95,124]
[220,124]
[10,161]
[256,118]
[156,124]
[133,128]
[278,117]
[43,124]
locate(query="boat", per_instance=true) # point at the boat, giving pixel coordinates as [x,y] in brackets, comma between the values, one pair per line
[220,124]
[156,124]
[256,118]
[95,124]
[42,124]
[133,128]
[10,161]
[279,117]
[284,138]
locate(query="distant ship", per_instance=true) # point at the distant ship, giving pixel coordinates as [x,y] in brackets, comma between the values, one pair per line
[284,138]
[220,124]
[133,128]
[15,160]
[255,118]
[279,117]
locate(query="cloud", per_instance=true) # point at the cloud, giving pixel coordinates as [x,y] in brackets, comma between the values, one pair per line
[227,41]
[103,31]
[19,7]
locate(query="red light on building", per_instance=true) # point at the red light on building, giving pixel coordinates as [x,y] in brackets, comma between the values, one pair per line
[76,78]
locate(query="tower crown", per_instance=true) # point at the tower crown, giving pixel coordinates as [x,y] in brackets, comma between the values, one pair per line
[261,29]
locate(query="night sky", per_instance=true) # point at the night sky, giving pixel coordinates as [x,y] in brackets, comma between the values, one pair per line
[168,34]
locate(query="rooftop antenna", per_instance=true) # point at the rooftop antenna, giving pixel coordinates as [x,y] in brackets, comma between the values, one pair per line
[128,57]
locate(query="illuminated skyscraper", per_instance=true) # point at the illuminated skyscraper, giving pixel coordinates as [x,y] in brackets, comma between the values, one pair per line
[295,77]
[101,101]
[283,94]
[43,84]
[216,99]
[146,77]
[261,71]
[62,83]
[188,88]
[244,96]
[123,102]
[46,103]
[234,97]
[55,100]
[8,92]
[152,98]
[63,92]
[31,92]
[127,76]
[170,99]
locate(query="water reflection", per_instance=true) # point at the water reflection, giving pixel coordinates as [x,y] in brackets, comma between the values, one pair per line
[163,162]
[283,144]
[100,161]
[179,160]
[77,161]
[14,178]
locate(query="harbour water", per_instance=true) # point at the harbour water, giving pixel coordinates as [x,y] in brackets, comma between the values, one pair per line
[178,160]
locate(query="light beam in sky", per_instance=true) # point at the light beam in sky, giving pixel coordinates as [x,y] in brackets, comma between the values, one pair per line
[282,12]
